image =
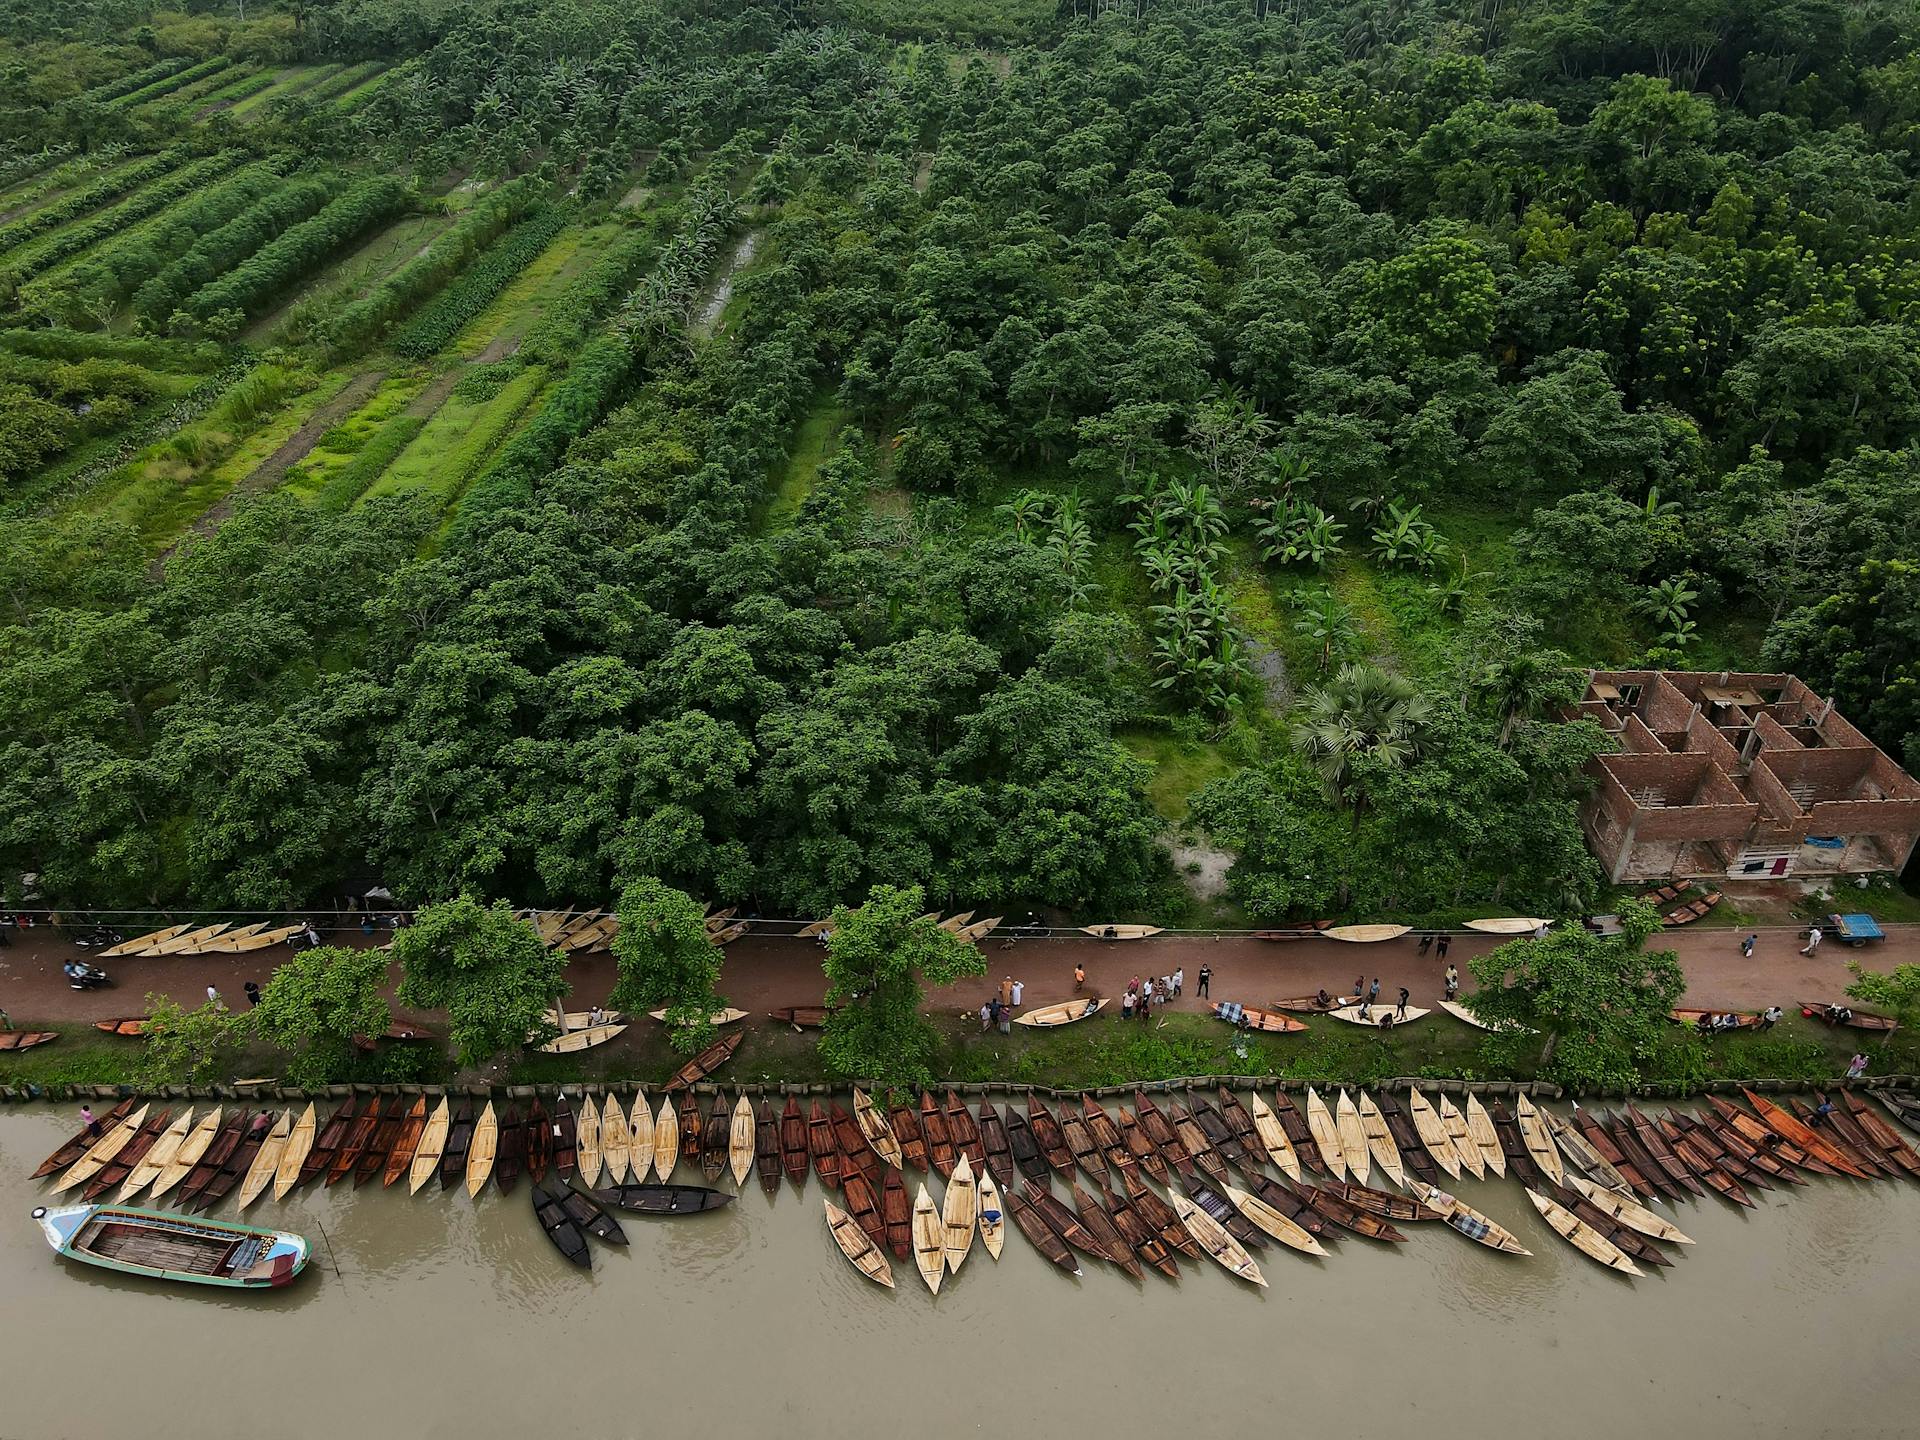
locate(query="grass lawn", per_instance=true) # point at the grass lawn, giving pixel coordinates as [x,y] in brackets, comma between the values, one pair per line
[1180,767]
[813,442]
[340,444]
[445,456]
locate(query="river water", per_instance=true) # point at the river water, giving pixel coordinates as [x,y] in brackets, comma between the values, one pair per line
[437,1317]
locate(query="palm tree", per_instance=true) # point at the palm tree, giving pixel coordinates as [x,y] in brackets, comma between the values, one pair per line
[1363,711]
[1327,623]
[1522,685]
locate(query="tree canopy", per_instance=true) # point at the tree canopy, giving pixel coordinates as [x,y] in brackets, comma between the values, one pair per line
[666,958]
[483,966]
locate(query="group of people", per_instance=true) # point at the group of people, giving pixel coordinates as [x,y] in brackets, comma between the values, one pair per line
[1142,995]
[996,1011]
[1390,1015]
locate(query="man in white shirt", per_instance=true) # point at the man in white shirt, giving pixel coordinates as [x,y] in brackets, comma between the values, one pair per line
[1179,978]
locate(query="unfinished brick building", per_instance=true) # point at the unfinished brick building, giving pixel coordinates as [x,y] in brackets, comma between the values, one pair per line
[1739,776]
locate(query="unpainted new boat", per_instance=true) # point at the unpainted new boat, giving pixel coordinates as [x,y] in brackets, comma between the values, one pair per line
[1506,925]
[1432,1131]
[1582,1236]
[992,1215]
[161,1246]
[1273,1137]
[265,1164]
[184,941]
[1326,1135]
[1366,934]
[1353,1138]
[293,1156]
[1370,1016]
[115,1172]
[482,1151]
[1213,1238]
[1380,1143]
[430,1148]
[1466,1014]
[1273,1222]
[1250,1018]
[1627,1211]
[1469,1221]
[149,1166]
[1576,1148]
[81,1141]
[1539,1143]
[858,1247]
[929,1240]
[113,1139]
[1120,932]
[140,944]
[728,1016]
[1465,1149]
[959,1213]
[616,1142]
[666,1142]
[187,1157]
[1310,1004]
[586,1038]
[1480,1130]
[640,1124]
[740,1140]
[1687,1015]
[586,1142]
[874,1126]
[1065,1013]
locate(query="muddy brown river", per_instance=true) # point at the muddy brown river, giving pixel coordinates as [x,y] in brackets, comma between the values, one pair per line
[435,1316]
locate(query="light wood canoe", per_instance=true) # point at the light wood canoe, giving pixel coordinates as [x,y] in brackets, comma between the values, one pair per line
[1582,1236]
[185,940]
[1506,925]
[732,933]
[594,935]
[1485,1137]
[1538,1140]
[874,1126]
[640,1138]
[616,1143]
[1353,1138]
[955,923]
[740,1140]
[482,1150]
[586,1142]
[959,1212]
[227,941]
[1326,1135]
[585,1039]
[1580,1150]
[1469,1221]
[266,1160]
[1273,1222]
[1273,1135]
[666,1141]
[266,939]
[717,919]
[1121,932]
[432,1147]
[113,1139]
[1371,1020]
[1366,934]
[1310,1004]
[815,930]
[729,1016]
[1432,1131]
[1380,1142]
[579,1019]
[299,1146]
[141,944]
[1630,1213]
[187,1155]
[1065,1013]
[929,1239]
[993,1219]
[1212,1237]
[1465,1013]
[858,1246]
[973,934]
[1464,1149]
[155,1160]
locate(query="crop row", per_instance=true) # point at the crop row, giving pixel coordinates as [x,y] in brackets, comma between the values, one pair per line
[108,188]
[344,486]
[221,249]
[245,89]
[170,355]
[445,315]
[138,80]
[301,250]
[563,329]
[168,84]
[341,81]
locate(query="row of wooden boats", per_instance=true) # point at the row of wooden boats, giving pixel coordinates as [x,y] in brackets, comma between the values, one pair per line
[221,938]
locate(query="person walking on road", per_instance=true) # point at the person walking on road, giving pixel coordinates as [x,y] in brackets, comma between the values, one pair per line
[1426,944]
[1179,979]
[1079,977]
[1204,981]
[213,998]
[1006,992]
[1746,946]
[1445,942]
[1814,938]
[1453,980]
[1400,1012]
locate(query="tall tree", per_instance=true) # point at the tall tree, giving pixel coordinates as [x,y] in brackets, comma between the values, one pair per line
[1362,711]
[487,969]
[667,958]
[316,1004]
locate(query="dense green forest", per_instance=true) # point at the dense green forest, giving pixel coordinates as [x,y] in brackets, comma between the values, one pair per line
[523,448]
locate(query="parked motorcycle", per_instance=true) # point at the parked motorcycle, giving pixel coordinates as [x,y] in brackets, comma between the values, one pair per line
[98,938]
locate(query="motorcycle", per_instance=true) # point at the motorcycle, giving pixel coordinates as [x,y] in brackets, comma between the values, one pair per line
[82,976]
[98,938]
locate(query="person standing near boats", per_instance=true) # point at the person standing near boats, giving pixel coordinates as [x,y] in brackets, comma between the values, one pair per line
[1446,942]
[1205,979]
[1400,1011]
[1079,976]
[1453,980]
[88,1120]
[1857,1066]
[1179,979]
[1019,989]
[1126,1006]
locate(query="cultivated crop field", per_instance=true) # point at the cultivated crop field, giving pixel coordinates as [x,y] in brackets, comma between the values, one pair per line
[1172,461]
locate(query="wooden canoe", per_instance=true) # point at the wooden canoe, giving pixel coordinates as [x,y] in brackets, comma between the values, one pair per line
[1703,1153]
[998,1148]
[1764,1141]
[664,1200]
[728,1016]
[292,1167]
[814,930]
[227,941]
[26,1039]
[1480,1130]
[794,1152]
[823,1147]
[150,1166]
[1260,1213]
[964,1135]
[1627,1211]
[1433,1132]
[1539,1143]
[896,1209]
[1294,1124]
[453,1155]
[81,1141]
[566,1136]
[874,1126]
[1465,1013]
[716,1140]
[1506,925]
[1095,1220]
[1385,1204]
[973,934]
[855,1152]
[1576,1147]
[1121,932]
[993,1224]
[1107,1135]
[1658,1147]
[707,1061]
[573,1041]
[1380,1143]
[221,1183]
[1196,1145]
[640,1138]
[1250,1018]
[1353,1138]
[1326,1135]
[261,940]
[731,933]
[1890,1141]
[1221,1210]
[114,1173]
[1064,1223]
[589,1214]
[353,1143]
[140,944]
[803,1017]
[858,1247]
[509,1149]
[1273,1136]
[128,1026]
[1519,1163]
[616,1142]
[766,1148]
[1637,1164]
[719,918]
[1220,1139]
[567,1237]
[1048,1135]
[904,1121]
[956,922]
[482,1150]
[265,1165]
[1065,1013]
[1348,1216]
[431,1147]
[1140,1237]
[578,1019]
[742,1141]
[412,1129]
[1161,1216]
[1040,1233]
[863,1203]
[1470,1222]
[1213,1238]
[1366,934]
[666,1142]
[113,1139]
[1352,1015]
[1686,1015]
[586,1142]
[1253,1151]
[1624,1238]
[1305,930]
[1465,1149]
[1602,1142]
[1858,1020]
[1292,1204]
[1839,1133]
[185,940]
[200,1156]
[1310,1004]
[1582,1236]
[1412,1152]
[539,1145]
[959,1213]
[932,1122]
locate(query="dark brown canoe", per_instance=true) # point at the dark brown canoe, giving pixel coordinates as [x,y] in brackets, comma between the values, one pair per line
[1079,1138]
[1656,1145]
[1817,1010]
[1520,1162]
[993,1139]
[346,1158]
[566,1139]
[1349,1217]
[1299,1133]
[803,1017]
[1623,1236]
[1106,1135]
[1406,1139]
[716,1141]
[1757,1161]
[510,1150]
[766,1149]
[939,1142]
[1194,1141]
[1026,1150]
[1219,1131]
[1699,1164]
[1141,1237]
[539,1133]
[905,1121]
[856,1155]
[793,1142]
[116,1170]
[1251,1236]
[1064,1223]
[236,1165]
[1712,1147]
[1161,1216]
[373,1160]
[1098,1223]
[1380,1202]
[1039,1233]
[1867,1146]
[864,1205]
[1240,1120]
[400,1158]
[1640,1167]
[692,1126]
[896,1210]
[453,1155]
[1294,1206]
[963,1133]
[1601,1137]
[82,1141]
[217,1154]
[1891,1144]
[1833,1136]
[1146,1155]
[824,1148]
[663,1199]
[1047,1135]
[1160,1131]
[706,1062]
[1767,1140]
[590,1215]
